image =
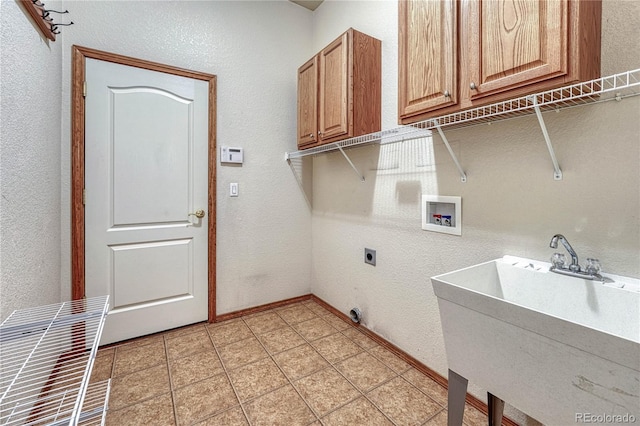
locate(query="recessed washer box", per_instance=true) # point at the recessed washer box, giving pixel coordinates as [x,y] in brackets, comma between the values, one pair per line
[441,213]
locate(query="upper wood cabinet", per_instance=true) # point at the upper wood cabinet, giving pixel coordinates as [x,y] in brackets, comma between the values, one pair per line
[308,102]
[506,49]
[427,48]
[339,91]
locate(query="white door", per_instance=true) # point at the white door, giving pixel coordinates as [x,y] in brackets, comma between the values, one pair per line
[146,165]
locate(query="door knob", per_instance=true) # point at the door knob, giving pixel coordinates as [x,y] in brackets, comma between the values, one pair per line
[199,214]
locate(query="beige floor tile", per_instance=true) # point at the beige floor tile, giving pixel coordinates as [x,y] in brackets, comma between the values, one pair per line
[426,385]
[202,392]
[140,341]
[241,353]
[102,366]
[107,352]
[439,419]
[281,407]
[130,359]
[337,323]
[364,371]
[403,403]
[203,399]
[336,347]
[326,390]
[138,386]
[389,359]
[300,361]
[473,417]
[257,378]
[266,322]
[188,344]
[157,411]
[232,417]
[316,308]
[359,338]
[183,331]
[314,328]
[358,412]
[193,368]
[296,313]
[229,332]
[281,339]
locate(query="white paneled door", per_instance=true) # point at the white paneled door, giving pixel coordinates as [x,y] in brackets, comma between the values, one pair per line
[146,165]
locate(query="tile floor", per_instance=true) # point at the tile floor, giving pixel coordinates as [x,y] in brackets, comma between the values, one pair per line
[294,365]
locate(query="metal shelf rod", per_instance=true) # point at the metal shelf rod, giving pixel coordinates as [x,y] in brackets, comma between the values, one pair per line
[351,164]
[463,175]
[557,173]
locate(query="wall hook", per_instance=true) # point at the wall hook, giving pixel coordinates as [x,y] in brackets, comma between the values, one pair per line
[43,18]
[47,12]
[54,27]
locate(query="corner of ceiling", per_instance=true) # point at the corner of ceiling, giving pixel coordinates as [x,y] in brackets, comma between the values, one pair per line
[308,4]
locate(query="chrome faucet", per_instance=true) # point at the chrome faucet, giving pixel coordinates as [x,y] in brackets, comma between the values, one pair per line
[575,266]
[591,272]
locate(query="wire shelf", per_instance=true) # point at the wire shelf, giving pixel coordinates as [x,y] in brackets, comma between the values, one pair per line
[614,87]
[46,358]
[94,407]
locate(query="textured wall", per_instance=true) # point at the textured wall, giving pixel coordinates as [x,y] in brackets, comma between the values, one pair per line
[29,163]
[263,236]
[510,204]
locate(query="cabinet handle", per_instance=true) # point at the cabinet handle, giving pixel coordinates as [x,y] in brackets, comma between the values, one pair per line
[446,94]
[472,86]
[311,135]
[319,133]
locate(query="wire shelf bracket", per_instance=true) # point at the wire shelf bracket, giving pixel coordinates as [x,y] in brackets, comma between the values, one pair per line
[463,175]
[614,87]
[296,167]
[360,175]
[557,173]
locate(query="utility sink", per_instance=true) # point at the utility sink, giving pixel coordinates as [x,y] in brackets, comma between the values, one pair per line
[559,348]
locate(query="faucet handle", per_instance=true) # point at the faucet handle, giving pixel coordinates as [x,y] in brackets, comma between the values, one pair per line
[592,266]
[558,260]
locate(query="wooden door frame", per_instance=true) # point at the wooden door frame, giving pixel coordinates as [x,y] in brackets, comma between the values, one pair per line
[79,56]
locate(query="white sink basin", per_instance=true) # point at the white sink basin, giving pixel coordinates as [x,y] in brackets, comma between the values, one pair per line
[552,345]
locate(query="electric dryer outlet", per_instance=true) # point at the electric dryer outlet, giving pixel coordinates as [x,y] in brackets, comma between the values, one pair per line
[370,256]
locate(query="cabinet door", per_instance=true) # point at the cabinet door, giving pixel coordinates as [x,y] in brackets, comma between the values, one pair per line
[512,43]
[334,88]
[427,41]
[308,102]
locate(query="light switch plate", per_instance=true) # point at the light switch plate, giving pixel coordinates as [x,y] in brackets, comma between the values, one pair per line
[233,189]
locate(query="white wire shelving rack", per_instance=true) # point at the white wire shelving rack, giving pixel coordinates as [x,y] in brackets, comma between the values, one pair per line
[613,87]
[46,359]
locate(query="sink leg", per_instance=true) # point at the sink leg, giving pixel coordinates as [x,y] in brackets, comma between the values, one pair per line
[496,407]
[455,398]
